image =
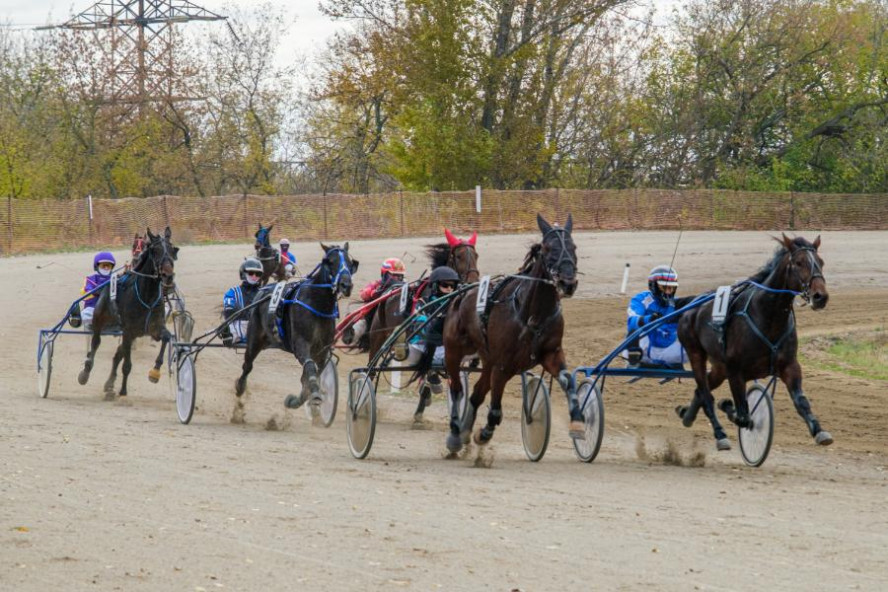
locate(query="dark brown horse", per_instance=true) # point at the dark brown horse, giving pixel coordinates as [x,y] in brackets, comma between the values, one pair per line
[522,327]
[759,338]
[269,256]
[458,254]
[138,309]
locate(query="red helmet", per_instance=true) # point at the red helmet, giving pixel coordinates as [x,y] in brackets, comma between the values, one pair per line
[392,265]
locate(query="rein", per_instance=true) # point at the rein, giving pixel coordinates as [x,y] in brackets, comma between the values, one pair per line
[333,285]
[451,260]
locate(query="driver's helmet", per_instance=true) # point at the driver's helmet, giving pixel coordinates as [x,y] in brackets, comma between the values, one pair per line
[250,264]
[661,276]
[392,267]
[442,274]
[103,257]
[285,244]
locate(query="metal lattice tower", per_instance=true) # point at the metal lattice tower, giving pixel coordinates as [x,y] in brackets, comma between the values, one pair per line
[141,43]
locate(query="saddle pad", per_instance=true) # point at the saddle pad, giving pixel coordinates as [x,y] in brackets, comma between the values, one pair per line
[721,304]
[483,293]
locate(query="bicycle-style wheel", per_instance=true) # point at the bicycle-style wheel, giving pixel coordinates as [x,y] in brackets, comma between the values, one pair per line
[360,418]
[589,396]
[186,387]
[536,416]
[329,380]
[44,368]
[755,442]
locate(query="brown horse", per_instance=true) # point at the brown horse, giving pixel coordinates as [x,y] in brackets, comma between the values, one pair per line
[759,338]
[458,254]
[522,327]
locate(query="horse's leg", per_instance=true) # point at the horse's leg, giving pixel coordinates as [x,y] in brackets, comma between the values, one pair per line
[127,364]
[154,373]
[83,377]
[703,397]
[688,413]
[555,364]
[310,380]
[453,361]
[253,349]
[497,384]
[791,375]
[737,410]
[109,384]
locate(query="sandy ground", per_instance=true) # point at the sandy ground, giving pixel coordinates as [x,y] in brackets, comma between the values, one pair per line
[120,496]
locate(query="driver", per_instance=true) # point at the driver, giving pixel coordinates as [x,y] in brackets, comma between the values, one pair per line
[660,347]
[103,265]
[239,297]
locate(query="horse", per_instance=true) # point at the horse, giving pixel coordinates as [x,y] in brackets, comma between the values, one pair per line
[758,338]
[305,322]
[138,310]
[269,256]
[458,254]
[522,327]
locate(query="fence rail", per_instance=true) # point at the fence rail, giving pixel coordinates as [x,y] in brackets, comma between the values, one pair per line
[36,225]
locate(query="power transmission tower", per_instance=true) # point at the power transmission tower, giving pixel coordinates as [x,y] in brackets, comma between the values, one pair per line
[140,32]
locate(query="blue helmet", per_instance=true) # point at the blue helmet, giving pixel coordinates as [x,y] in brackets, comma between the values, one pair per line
[103,257]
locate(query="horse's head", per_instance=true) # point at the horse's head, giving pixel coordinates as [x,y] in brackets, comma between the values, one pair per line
[263,237]
[339,267]
[138,247]
[805,270]
[559,255]
[463,258]
[162,254]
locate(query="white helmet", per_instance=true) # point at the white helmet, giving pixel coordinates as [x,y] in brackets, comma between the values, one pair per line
[284,242]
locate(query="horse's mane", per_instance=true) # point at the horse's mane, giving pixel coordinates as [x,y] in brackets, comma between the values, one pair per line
[438,254]
[769,267]
[531,258]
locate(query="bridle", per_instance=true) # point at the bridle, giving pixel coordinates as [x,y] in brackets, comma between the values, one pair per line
[814,268]
[451,260]
[554,270]
[156,261]
[343,269]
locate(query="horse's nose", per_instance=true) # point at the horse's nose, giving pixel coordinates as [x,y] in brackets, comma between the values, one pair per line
[569,287]
[819,300]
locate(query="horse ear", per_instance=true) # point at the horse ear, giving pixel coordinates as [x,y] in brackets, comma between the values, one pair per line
[148,233]
[354,267]
[270,227]
[175,252]
[167,232]
[544,226]
[816,242]
[786,241]
[452,241]
[472,239]
[345,247]
[325,247]
[568,226]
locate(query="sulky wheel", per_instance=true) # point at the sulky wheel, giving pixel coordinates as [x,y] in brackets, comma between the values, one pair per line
[589,397]
[755,442]
[186,387]
[44,369]
[536,416]
[360,415]
[329,380]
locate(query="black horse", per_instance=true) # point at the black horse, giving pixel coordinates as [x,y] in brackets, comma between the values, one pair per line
[304,323]
[138,309]
[522,327]
[269,256]
[758,338]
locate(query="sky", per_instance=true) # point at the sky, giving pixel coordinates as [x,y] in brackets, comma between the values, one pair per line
[306,37]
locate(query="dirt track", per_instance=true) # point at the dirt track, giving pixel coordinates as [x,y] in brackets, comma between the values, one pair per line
[120,496]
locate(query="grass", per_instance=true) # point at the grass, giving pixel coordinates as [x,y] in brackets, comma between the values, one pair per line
[862,354]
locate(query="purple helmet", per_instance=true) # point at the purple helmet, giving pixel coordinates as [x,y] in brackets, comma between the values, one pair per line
[103,257]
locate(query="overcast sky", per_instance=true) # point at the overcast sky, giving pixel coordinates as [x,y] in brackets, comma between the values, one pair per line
[306,36]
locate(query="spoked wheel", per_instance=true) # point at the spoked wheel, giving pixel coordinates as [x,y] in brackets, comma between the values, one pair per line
[360,417]
[755,442]
[186,387]
[536,416]
[589,396]
[44,369]
[329,380]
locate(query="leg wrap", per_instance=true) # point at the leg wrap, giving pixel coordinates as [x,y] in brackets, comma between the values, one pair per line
[495,417]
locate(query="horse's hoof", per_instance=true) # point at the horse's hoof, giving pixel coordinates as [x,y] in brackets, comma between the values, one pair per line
[239,387]
[294,402]
[417,417]
[83,377]
[823,438]
[110,396]
[477,438]
[577,430]
[454,443]
[154,375]
[723,444]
